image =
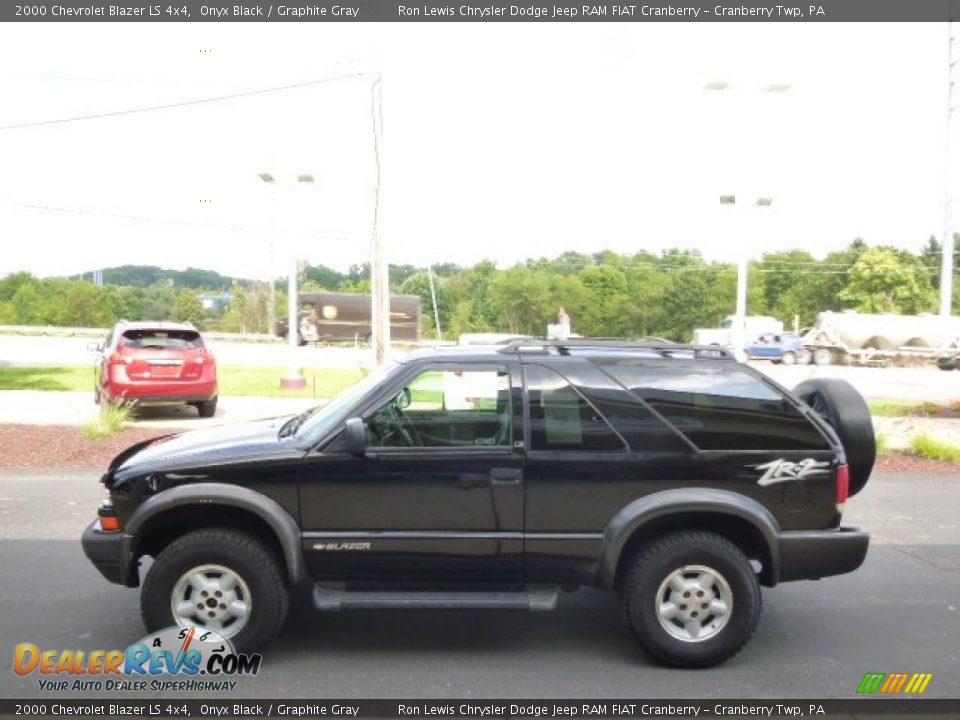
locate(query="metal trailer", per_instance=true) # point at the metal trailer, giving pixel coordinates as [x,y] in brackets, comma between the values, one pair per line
[337,316]
[860,338]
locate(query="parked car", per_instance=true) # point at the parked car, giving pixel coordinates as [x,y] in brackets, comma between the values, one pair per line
[486,477]
[156,364]
[949,362]
[786,348]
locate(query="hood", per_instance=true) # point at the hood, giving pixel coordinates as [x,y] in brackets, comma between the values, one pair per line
[231,443]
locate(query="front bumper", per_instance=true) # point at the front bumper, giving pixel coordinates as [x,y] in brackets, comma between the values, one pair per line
[111,553]
[811,555]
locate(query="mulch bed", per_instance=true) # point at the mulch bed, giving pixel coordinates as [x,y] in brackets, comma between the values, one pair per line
[935,410]
[62,446]
[898,462]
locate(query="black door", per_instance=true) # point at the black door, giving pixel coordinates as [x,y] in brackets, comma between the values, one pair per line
[439,494]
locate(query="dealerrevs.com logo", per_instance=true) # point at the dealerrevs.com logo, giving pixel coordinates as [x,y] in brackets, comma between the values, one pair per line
[175,659]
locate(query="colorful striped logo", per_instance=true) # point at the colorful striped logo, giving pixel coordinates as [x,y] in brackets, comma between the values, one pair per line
[893,683]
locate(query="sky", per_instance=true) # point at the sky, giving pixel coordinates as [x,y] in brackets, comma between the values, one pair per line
[501,141]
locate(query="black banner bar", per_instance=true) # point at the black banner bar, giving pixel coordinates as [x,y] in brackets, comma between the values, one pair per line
[478,11]
[480,709]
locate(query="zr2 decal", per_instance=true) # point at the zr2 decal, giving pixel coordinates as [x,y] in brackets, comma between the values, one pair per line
[784,470]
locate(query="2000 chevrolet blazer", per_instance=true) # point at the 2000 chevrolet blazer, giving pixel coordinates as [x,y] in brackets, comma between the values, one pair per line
[492,478]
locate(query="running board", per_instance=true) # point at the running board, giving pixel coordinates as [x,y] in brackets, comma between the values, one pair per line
[333,599]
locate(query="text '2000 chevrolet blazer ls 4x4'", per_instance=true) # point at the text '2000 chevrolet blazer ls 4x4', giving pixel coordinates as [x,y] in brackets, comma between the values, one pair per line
[492,478]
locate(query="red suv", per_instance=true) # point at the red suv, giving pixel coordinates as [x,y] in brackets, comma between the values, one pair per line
[156,364]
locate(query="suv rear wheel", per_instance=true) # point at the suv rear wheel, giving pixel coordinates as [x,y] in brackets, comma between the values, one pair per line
[219,580]
[691,599]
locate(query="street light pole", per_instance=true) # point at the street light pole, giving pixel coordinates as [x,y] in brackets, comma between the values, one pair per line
[293,380]
[379,269]
[739,329]
[946,259]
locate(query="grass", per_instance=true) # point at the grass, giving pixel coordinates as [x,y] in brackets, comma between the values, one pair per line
[929,447]
[234,380]
[883,444]
[111,419]
[911,408]
[63,377]
[265,382]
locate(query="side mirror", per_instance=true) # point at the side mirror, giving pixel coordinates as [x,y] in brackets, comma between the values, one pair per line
[356,437]
[94,346]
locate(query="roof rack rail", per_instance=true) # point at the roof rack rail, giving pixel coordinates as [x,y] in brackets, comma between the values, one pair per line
[658,346]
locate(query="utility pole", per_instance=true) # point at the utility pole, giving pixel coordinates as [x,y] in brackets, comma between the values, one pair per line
[379,272]
[946,259]
[433,296]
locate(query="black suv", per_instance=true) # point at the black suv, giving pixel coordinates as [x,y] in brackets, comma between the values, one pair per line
[493,477]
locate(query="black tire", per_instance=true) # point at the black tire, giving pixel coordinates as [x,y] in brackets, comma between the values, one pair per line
[845,409]
[656,562]
[822,356]
[789,358]
[207,409]
[246,556]
[879,342]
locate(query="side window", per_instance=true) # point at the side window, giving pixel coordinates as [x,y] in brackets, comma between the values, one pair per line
[720,408]
[562,419]
[452,407]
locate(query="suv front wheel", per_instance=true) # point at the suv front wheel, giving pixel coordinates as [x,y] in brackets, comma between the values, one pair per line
[220,580]
[691,599]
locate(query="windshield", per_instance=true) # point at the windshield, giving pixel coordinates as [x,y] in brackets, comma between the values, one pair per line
[337,410]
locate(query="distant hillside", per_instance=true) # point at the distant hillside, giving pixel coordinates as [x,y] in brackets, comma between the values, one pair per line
[146,275]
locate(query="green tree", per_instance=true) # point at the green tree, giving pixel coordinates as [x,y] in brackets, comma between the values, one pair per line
[189,308]
[521,298]
[884,280]
[80,305]
[27,304]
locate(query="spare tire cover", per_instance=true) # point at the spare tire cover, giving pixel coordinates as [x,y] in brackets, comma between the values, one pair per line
[845,409]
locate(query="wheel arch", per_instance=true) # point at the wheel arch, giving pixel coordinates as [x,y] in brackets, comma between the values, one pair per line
[171,513]
[743,521]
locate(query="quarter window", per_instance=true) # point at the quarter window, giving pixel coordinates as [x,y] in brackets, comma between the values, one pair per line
[562,419]
[720,408]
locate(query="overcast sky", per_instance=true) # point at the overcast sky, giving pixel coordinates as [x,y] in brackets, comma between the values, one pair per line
[501,141]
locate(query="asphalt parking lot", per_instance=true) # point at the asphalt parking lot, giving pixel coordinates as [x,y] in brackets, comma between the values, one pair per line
[899,613]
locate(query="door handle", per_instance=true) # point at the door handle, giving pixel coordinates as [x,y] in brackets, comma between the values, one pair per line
[505,476]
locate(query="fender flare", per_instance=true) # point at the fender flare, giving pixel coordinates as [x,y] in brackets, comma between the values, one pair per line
[662,504]
[280,521]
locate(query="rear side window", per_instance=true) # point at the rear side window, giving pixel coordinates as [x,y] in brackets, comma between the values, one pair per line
[720,408]
[163,339]
[562,419]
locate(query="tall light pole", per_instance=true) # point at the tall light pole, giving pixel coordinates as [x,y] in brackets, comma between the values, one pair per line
[293,380]
[271,290]
[946,259]
[739,329]
[379,269]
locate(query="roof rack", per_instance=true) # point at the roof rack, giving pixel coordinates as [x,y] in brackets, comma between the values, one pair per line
[657,346]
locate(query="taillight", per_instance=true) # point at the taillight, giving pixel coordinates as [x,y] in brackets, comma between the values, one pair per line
[118,359]
[843,486]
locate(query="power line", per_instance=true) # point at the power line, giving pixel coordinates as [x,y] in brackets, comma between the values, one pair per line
[147,219]
[184,103]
